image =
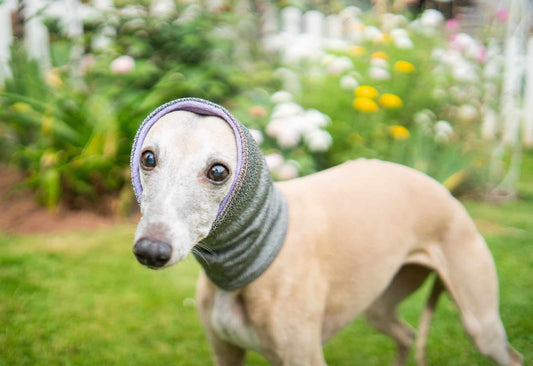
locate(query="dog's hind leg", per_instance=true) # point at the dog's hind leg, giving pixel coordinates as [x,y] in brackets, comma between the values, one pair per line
[425,320]
[466,267]
[382,314]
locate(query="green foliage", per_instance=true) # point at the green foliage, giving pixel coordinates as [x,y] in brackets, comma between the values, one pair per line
[71,129]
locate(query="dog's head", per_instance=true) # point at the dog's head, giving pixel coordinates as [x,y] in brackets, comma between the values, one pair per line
[183,169]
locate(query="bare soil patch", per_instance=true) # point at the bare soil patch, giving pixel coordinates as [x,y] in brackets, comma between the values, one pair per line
[20,214]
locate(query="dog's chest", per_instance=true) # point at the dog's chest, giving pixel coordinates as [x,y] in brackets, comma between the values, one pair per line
[230,322]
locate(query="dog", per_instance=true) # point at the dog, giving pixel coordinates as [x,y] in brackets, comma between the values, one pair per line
[318,251]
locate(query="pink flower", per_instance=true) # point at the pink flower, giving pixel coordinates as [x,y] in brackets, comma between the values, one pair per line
[452,25]
[502,15]
[287,171]
[87,62]
[274,161]
[123,65]
[482,55]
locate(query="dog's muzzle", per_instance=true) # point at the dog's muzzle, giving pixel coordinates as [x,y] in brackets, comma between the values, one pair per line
[152,253]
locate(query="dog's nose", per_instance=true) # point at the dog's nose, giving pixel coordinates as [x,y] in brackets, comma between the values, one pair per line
[152,253]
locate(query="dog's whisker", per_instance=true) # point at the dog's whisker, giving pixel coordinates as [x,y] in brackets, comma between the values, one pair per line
[205,247]
[199,254]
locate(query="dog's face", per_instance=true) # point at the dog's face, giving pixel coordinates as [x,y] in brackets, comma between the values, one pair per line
[187,167]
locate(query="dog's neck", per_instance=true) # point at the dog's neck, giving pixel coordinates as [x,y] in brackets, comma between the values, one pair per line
[250,231]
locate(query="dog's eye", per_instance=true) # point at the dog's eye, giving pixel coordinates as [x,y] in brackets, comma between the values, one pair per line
[218,173]
[148,160]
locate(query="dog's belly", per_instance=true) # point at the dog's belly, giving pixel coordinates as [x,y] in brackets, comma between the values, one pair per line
[230,321]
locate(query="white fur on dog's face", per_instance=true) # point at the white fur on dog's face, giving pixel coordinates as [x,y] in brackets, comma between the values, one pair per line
[179,203]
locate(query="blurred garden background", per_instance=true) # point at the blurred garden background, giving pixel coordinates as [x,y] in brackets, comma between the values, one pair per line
[448,92]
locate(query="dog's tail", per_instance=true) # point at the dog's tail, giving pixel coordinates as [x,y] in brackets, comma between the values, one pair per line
[425,320]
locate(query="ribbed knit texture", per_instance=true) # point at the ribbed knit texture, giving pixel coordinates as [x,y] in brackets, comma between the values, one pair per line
[252,220]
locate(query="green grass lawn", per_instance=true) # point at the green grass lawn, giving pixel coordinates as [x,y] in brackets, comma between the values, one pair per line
[81,298]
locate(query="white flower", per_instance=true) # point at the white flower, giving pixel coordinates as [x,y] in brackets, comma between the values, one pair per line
[316,118]
[439,93]
[274,161]
[350,12]
[288,137]
[423,118]
[399,33]
[379,62]
[318,140]
[274,127]
[467,113]
[339,65]
[287,109]
[372,33]
[465,73]
[431,18]
[348,82]
[281,96]
[287,171]
[438,54]
[443,127]
[123,65]
[403,43]
[378,73]
[257,136]
[162,8]
[414,25]
[441,137]
[463,41]
[132,11]
[101,42]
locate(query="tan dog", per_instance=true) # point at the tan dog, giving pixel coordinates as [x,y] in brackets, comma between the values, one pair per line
[362,236]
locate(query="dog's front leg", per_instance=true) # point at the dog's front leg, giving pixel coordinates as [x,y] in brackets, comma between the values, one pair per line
[224,353]
[288,317]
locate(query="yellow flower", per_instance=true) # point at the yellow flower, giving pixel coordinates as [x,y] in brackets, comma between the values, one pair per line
[380,54]
[356,51]
[366,91]
[21,107]
[358,27]
[399,132]
[390,101]
[404,66]
[365,105]
[52,78]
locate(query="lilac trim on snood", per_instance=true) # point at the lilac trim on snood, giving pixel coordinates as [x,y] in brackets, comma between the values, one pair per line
[196,105]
